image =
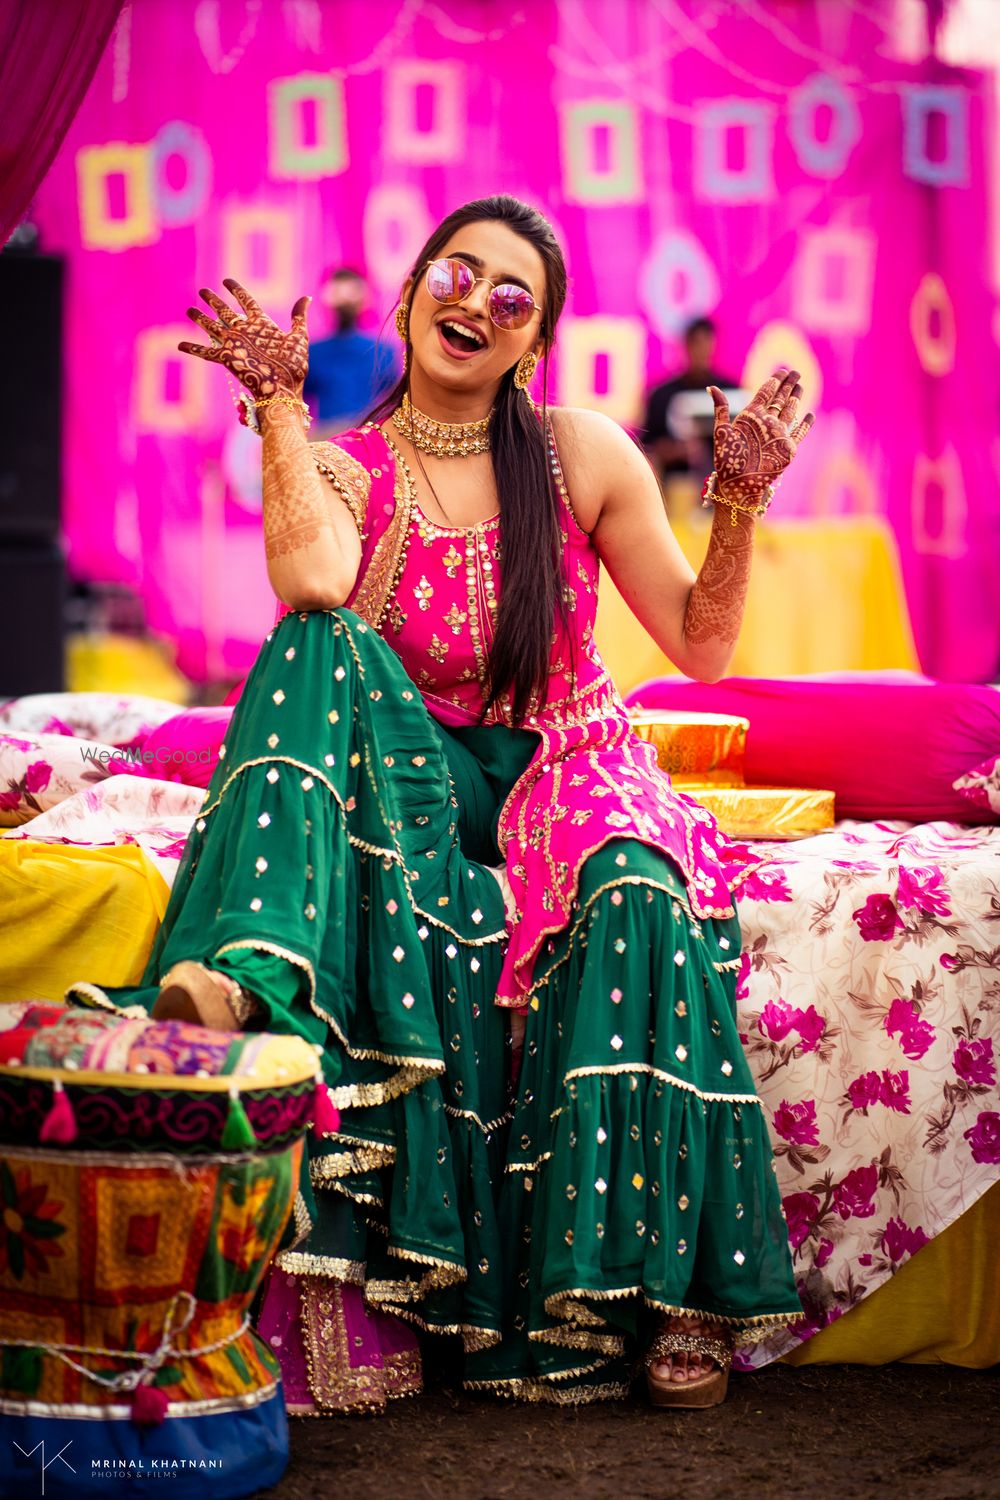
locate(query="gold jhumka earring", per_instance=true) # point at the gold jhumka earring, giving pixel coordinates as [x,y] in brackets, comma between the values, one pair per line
[524,372]
[403,329]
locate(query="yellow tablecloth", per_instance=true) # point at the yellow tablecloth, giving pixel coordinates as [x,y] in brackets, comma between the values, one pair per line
[940,1308]
[70,913]
[825,596]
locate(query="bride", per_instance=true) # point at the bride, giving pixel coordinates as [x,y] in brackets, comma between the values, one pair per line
[434,847]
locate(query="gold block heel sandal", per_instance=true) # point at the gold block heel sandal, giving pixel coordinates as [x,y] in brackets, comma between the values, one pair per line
[191,992]
[708,1389]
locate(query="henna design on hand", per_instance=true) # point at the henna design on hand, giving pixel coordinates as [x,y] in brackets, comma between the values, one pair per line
[296,507]
[755,447]
[251,345]
[751,451]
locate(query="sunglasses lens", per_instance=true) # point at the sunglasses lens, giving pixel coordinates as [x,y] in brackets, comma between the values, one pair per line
[449,280]
[510,306]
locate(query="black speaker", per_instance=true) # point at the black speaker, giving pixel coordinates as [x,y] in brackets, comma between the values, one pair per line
[31,396]
[33,580]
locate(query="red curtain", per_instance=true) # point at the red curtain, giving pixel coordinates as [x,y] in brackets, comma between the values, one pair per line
[49,50]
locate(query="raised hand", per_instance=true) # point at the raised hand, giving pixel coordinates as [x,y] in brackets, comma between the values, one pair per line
[251,346]
[753,449]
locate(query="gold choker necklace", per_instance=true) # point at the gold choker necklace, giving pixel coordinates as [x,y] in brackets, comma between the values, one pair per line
[442,439]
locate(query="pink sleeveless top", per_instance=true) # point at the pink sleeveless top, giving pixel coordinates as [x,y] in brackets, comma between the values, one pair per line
[432,592]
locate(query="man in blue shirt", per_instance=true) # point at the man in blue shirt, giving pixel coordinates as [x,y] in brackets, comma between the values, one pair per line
[349,371]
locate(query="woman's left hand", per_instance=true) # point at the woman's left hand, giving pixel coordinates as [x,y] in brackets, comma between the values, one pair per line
[262,356]
[755,447]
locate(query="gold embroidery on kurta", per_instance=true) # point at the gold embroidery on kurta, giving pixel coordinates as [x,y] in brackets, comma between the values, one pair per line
[349,478]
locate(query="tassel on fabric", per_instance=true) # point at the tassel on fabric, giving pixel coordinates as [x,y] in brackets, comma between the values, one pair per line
[326,1116]
[59,1125]
[149,1405]
[238,1134]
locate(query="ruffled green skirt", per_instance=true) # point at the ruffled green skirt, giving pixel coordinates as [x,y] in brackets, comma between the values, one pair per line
[340,870]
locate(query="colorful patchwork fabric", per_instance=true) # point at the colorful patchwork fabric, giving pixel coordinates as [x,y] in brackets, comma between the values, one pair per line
[94,1249]
[134,1084]
[134,1241]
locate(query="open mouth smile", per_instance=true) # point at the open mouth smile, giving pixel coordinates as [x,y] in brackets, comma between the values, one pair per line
[460,339]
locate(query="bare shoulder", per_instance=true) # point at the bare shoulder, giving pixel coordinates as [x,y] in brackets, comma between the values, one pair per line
[596,453]
[578,427]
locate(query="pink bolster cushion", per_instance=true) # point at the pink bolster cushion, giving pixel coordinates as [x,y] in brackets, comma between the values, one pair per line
[889,744]
[186,747]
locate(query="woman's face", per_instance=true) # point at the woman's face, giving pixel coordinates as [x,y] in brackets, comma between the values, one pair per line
[481,354]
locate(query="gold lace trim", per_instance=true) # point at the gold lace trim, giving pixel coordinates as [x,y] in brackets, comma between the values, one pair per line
[303,1220]
[385,1293]
[334,1383]
[680,1083]
[349,478]
[579,1338]
[384,570]
[94,996]
[364,1095]
[470,1114]
[540,1390]
[528,1166]
[350,1163]
[301,1263]
[473,1337]
[747,1329]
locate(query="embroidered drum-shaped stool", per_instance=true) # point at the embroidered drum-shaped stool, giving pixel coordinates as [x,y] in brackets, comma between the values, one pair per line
[147,1175]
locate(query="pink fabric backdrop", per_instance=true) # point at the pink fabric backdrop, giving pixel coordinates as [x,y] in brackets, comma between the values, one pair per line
[776,164]
[48,52]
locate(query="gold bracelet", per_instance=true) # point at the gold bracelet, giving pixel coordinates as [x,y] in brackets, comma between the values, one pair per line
[291,402]
[710,496]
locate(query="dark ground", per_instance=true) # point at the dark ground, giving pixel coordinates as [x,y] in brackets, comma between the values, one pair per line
[826,1432]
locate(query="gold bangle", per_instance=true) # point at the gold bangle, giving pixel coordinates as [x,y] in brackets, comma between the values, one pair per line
[711,496]
[291,402]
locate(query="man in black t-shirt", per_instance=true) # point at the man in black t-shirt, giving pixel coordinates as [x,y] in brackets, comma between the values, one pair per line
[671,453]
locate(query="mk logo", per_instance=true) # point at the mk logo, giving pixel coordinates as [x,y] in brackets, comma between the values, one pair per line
[47,1464]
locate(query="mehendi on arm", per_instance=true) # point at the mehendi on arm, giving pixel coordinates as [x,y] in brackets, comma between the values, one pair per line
[750,453]
[296,509]
[718,598]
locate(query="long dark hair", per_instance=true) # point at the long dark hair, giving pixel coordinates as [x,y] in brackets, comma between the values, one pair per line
[530,522]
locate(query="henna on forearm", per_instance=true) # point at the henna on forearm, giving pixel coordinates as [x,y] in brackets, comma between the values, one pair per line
[311,537]
[718,597]
[296,503]
[751,452]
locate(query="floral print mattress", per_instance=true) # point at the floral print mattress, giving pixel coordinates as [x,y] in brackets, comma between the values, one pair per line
[869,1006]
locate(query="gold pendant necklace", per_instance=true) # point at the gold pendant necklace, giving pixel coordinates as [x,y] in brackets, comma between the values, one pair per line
[441,439]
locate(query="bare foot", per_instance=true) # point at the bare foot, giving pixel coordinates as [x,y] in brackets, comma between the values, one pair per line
[686,1365]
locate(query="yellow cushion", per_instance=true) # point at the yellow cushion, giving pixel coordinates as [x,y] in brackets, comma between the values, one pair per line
[67,911]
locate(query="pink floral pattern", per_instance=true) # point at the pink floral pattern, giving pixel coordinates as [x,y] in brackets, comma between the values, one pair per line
[120,719]
[38,771]
[869,1005]
[982,785]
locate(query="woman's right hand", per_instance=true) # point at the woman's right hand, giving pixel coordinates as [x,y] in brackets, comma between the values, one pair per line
[251,346]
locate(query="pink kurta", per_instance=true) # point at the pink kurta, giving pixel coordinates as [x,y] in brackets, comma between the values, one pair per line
[432,592]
